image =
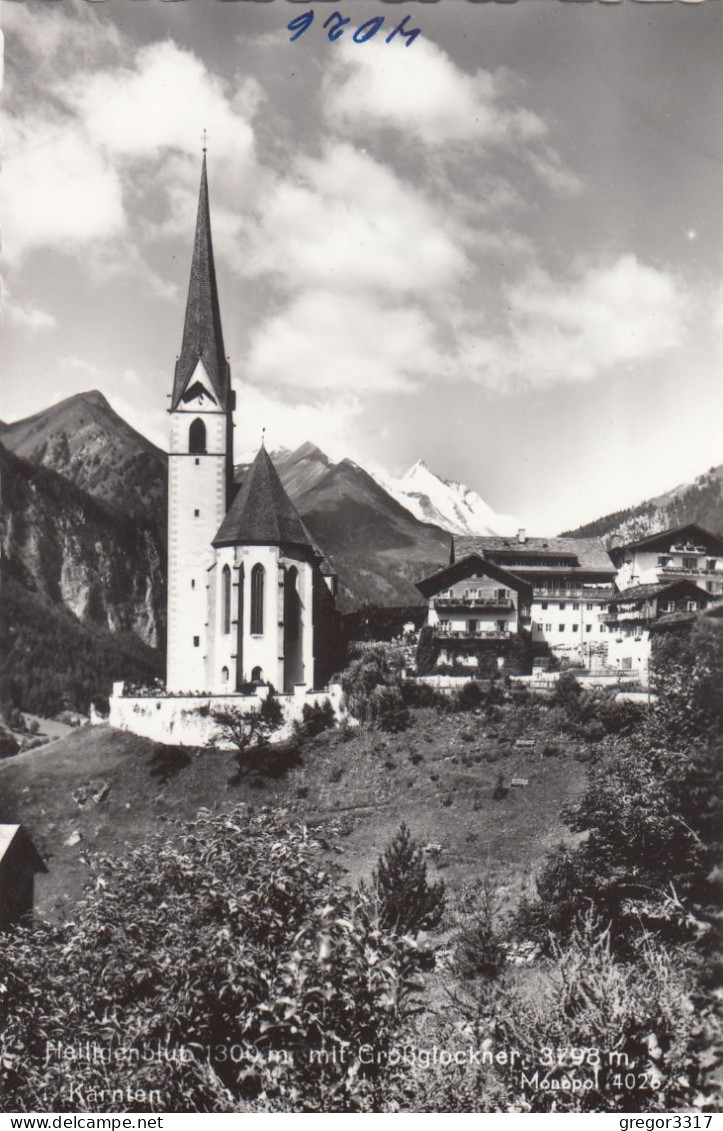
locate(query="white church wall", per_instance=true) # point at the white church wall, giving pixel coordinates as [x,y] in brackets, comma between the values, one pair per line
[196,508]
[186,720]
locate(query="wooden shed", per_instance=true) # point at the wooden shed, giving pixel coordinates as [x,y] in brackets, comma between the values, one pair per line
[20,861]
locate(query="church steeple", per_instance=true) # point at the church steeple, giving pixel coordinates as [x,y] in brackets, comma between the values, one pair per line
[202,333]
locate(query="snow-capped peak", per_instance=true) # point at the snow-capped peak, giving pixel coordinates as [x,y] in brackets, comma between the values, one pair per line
[453,506]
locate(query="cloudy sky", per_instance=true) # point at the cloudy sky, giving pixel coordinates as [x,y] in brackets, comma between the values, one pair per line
[499,249]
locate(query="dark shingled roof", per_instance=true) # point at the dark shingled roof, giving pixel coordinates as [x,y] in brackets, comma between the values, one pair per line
[202,334]
[663,539]
[464,567]
[262,512]
[645,592]
[586,555]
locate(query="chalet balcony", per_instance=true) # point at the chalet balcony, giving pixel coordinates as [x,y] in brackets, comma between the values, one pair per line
[602,594]
[686,571]
[445,635]
[473,603]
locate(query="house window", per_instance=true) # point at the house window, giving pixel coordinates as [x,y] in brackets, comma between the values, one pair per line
[193,583]
[575,627]
[576,604]
[472,627]
[588,628]
[196,641]
[602,627]
[197,461]
[663,560]
[445,625]
[257,600]
[196,513]
[502,593]
[257,675]
[561,628]
[224,675]
[538,625]
[589,606]
[226,601]
[548,628]
[563,604]
[197,437]
[690,563]
[543,605]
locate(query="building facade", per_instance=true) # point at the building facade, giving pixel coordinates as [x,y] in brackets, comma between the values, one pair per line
[688,552]
[571,581]
[632,613]
[473,603]
[250,596]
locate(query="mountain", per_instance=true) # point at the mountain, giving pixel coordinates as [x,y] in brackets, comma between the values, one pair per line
[446,503]
[378,547]
[700,501]
[81,588]
[86,441]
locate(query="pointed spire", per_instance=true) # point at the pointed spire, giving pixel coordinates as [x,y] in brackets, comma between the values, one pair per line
[262,512]
[202,334]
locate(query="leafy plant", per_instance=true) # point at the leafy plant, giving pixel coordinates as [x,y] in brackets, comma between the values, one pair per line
[372,687]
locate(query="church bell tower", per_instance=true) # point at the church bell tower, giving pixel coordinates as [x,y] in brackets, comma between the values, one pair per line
[200,462]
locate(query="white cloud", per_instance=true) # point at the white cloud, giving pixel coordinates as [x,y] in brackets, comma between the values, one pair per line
[422,93]
[164,101]
[26,316]
[330,422]
[612,316]
[57,191]
[347,221]
[329,340]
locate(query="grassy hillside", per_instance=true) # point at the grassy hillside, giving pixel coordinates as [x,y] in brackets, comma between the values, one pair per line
[439,776]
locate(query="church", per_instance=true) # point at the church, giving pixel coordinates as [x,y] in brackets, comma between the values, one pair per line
[251,597]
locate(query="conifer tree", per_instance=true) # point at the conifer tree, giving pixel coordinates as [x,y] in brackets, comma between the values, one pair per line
[407,901]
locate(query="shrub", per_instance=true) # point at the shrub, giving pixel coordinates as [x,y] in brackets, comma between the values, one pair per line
[567,691]
[469,697]
[426,652]
[372,687]
[408,903]
[584,999]
[231,936]
[317,717]
[247,732]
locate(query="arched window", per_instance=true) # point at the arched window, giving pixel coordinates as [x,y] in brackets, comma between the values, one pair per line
[257,675]
[197,436]
[224,675]
[257,600]
[226,601]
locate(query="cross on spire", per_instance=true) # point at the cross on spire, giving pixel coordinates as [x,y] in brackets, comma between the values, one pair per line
[205,139]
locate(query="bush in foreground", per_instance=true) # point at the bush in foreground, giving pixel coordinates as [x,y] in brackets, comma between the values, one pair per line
[252,976]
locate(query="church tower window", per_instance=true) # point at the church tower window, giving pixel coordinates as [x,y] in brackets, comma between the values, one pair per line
[197,437]
[226,601]
[257,600]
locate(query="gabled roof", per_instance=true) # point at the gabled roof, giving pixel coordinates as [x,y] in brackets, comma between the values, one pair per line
[647,592]
[202,334]
[664,538]
[262,513]
[582,555]
[15,835]
[466,567]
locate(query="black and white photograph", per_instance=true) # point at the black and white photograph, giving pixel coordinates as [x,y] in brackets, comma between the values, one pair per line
[361,559]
